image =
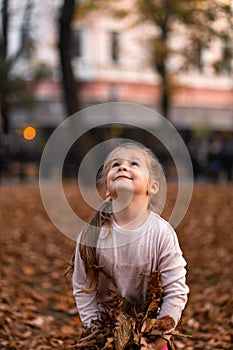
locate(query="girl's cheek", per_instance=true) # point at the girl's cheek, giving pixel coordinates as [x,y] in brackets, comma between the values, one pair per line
[110,175]
[108,184]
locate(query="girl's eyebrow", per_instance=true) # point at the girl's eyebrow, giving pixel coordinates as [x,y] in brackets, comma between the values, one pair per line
[129,159]
[114,160]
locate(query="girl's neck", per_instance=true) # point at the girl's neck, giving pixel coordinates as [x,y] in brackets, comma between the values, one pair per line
[132,216]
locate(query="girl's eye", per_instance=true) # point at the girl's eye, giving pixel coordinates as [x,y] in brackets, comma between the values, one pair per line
[115,164]
[135,163]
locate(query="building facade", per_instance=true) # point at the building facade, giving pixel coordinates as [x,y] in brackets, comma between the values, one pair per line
[111,63]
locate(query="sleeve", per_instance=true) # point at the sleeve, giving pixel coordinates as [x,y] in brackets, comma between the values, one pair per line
[86,302]
[171,265]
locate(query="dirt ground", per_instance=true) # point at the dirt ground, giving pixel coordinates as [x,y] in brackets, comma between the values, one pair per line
[37,309]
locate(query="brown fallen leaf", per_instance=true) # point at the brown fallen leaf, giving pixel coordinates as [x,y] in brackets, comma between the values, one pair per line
[122,331]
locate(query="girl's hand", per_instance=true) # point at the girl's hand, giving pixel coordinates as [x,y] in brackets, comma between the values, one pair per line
[157,344]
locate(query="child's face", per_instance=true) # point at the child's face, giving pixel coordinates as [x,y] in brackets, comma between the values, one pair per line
[128,171]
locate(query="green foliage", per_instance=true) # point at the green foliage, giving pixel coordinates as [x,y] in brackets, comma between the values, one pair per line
[14,88]
[202,21]
[194,23]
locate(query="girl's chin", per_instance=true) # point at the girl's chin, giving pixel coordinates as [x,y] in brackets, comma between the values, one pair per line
[124,186]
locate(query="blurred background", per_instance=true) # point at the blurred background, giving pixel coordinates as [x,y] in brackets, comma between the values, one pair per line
[58,57]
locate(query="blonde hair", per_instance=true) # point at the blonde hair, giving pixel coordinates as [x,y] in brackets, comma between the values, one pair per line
[90,234]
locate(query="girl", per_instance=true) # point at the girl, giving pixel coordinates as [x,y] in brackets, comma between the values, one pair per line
[128,239]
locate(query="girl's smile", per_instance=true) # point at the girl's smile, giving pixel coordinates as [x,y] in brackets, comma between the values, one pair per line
[123,177]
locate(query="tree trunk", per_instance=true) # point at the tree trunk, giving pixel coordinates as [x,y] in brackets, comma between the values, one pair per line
[4,110]
[165,98]
[68,82]
[70,85]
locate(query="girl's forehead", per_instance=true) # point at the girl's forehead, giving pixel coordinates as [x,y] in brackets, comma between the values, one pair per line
[128,153]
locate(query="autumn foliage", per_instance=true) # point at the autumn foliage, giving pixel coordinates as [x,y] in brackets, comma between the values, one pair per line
[37,308]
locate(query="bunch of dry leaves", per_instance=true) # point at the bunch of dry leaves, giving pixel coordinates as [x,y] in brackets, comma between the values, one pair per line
[120,331]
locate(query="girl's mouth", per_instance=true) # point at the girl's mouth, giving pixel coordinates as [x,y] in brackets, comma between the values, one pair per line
[123,177]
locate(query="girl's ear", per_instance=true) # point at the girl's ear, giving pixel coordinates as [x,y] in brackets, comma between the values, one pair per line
[154,188]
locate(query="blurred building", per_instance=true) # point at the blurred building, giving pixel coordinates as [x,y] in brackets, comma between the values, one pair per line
[111,63]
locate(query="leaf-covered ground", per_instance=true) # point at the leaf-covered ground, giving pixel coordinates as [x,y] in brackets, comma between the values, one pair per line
[37,309]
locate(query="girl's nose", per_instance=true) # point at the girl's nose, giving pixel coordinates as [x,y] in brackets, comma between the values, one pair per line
[123,167]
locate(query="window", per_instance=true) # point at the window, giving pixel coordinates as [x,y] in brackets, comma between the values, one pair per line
[224,64]
[77,43]
[199,55]
[115,47]
[27,47]
[227,57]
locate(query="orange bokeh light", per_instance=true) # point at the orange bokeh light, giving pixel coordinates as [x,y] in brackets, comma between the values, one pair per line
[29,133]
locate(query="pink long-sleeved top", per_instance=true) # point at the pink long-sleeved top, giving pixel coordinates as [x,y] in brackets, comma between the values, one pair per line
[127,255]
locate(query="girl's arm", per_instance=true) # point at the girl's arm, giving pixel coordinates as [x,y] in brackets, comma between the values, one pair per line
[86,302]
[171,265]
